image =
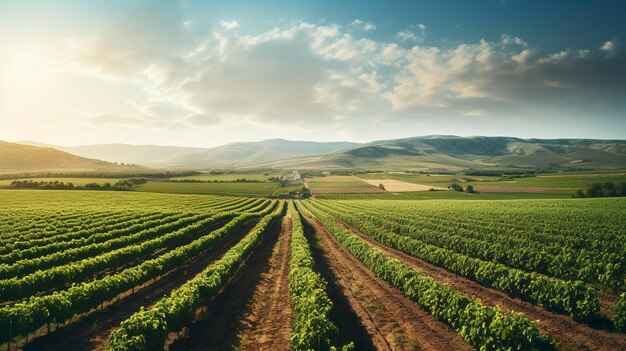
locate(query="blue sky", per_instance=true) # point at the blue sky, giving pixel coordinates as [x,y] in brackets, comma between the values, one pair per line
[204,73]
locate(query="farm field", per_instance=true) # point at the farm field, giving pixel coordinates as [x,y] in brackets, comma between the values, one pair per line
[394,185]
[233,189]
[340,185]
[149,271]
[549,183]
[229,177]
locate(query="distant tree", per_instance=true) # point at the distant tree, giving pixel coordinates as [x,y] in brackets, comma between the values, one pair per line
[470,189]
[608,189]
[455,187]
[305,192]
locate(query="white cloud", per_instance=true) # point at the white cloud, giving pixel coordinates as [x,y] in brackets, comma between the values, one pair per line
[291,75]
[414,33]
[230,25]
[494,75]
[366,26]
[407,36]
[609,47]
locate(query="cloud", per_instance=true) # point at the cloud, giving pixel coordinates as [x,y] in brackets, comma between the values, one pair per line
[506,76]
[366,26]
[414,33]
[610,48]
[293,75]
[281,76]
[229,24]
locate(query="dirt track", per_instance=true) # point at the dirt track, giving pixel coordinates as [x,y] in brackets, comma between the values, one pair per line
[392,320]
[220,326]
[92,332]
[268,325]
[571,335]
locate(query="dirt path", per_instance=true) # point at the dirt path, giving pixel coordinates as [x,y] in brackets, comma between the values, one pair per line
[268,325]
[570,334]
[219,326]
[393,321]
[92,332]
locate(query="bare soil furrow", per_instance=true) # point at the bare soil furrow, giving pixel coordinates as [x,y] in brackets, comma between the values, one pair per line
[219,326]
[270,319]
[393,321]
[570,334]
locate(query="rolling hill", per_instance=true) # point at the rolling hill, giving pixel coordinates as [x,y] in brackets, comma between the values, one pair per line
[435,152]
[229,155]
[458,153]
[27,158]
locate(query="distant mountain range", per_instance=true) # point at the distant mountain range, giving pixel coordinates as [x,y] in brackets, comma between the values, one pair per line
[229,155]
[419,153]
[448,152]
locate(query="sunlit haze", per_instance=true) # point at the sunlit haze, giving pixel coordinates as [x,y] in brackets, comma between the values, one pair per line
[199,73]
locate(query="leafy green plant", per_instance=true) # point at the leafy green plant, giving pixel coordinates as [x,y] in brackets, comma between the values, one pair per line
[484,327]
[308,295]
[147,329]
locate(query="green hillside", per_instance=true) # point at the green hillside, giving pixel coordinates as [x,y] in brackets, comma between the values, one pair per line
[27,158]
[460,153]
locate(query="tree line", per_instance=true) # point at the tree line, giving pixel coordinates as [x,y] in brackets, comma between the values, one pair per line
[608,189]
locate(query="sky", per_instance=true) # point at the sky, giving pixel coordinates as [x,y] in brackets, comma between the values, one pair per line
[206,73]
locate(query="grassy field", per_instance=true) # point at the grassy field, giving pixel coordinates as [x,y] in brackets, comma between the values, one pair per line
[560,181]
[255,189]
[550,181]
[285,189]
[442,195]
[229,177]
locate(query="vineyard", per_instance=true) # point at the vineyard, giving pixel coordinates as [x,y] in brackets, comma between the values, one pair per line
[340,185]
[133,271]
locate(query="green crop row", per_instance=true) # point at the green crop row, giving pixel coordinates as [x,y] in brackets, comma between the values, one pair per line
[83,236]
[27,316]
[16,239]
[573,298]
[309,300]
[106,242]
[600,260]
[40,281]
[147,329]
[484,327]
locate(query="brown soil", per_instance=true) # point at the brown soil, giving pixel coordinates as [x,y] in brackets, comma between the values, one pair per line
[219,326]
[399,186]
[570,334]
[393,321]
[268,325]
[92,331]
